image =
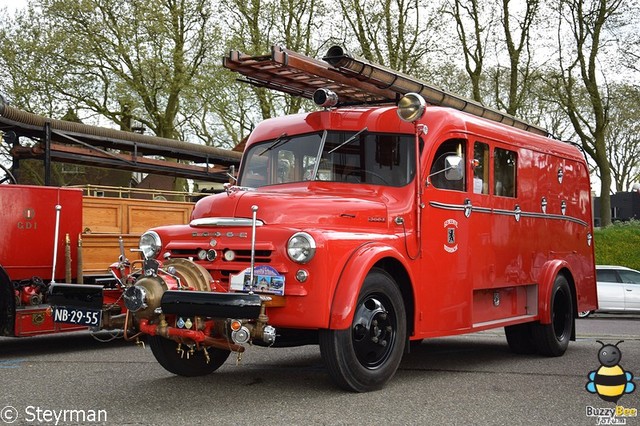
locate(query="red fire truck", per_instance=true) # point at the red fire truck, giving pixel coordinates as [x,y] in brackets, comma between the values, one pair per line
[396,213]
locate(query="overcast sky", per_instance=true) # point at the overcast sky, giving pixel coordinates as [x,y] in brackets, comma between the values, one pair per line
[12,5]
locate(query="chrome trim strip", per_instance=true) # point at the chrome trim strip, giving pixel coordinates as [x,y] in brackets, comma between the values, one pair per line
[482,209]
[223,221]
[446,206]
[557,217]
[461,207]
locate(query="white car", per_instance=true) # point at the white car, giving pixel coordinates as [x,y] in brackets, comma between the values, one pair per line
[618,290]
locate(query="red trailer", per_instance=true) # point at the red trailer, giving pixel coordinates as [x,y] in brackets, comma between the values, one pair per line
[58,235]
[29,216]
[64,235]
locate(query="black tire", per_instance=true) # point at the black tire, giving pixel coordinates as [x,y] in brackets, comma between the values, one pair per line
[520,338]
[165,351]
[553,339]
[7,305]
[584,314]
[365,356]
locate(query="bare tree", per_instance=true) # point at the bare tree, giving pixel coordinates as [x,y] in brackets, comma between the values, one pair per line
[518,43]
[120,59]
[586,21]
[26,64]
[623,137]
[474,25]
[394,33]
[254,26]
[628,47]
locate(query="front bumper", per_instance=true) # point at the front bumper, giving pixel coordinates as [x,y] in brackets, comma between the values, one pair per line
[213,305]
[77,295]
[176,302]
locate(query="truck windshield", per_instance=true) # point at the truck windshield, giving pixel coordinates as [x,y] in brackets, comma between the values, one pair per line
[371,158]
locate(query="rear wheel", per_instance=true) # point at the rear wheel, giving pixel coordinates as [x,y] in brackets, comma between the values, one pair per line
[7,304]
[184,363]
[553,339]
[366,355]
[584,314]
[520,338]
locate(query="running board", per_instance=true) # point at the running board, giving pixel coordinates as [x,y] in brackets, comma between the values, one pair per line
[504,321]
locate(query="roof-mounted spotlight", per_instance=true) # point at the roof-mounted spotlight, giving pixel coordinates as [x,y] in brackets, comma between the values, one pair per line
[325,98]
[411,107]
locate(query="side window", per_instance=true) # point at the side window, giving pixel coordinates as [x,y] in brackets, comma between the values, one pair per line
[480,168]
[505,165]
[448,167]
[629,277]
[606,275]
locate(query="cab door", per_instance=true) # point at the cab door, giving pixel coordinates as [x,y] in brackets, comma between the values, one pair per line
[445,277]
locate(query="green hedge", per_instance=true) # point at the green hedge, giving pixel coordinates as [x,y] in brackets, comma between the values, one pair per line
[619,244]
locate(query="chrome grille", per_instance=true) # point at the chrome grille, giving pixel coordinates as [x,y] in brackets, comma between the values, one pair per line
[242,256]
[220,269]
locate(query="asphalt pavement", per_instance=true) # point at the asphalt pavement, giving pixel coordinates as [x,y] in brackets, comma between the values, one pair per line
[462,380]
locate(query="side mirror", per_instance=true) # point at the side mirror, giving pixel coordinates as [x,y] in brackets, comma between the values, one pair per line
[454,167]
[231,174]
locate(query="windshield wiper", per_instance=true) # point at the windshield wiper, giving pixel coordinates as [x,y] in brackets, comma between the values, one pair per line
[351,139]
[277,142]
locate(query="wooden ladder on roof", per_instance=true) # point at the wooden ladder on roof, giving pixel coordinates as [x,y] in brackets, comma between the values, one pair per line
[356,82]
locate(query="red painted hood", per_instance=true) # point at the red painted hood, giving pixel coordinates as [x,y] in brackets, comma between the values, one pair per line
[299,206]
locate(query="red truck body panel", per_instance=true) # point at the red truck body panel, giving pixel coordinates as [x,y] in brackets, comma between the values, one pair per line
[29,220]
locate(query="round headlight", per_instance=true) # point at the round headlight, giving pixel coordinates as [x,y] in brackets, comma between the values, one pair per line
[301,247]
[150,244]
[411,107]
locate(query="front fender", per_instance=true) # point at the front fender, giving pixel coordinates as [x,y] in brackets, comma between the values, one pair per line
[545,285]
[351,278]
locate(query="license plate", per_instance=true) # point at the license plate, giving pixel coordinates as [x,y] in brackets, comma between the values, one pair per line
[80,316]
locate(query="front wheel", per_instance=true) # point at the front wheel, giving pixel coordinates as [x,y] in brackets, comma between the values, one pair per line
[183,363]
[553,339]
[366,355]
[584,314]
